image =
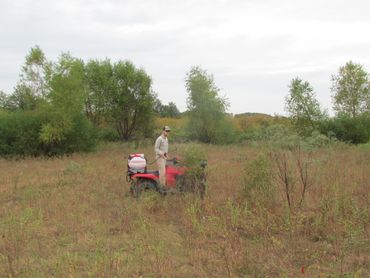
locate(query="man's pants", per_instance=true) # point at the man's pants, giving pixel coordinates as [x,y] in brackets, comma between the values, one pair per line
[162,170]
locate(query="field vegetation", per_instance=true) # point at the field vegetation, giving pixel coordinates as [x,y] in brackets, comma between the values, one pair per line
[267,212]
[286,196]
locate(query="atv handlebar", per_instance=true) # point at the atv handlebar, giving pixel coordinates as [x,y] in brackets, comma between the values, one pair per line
[173,161]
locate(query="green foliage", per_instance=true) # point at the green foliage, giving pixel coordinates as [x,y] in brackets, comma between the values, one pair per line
[3,100]
[32,133]
[317,139]
[272,134]
[22,98]
[99,85]
[19,133]
[51,134]
[67,85]
[303,107]
[166,111]
[207,110]
[36,72]
[46,110]
[280,136]
[61,93]
[108,134]
[348,129]
[351,90]
[257,181]
[80,136]
[194,212]
[194,156]
[67,129]
[26,96]
[132,90]
[31,90]
[121,95]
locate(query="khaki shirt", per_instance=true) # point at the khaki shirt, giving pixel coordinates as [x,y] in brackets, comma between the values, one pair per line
[161,146]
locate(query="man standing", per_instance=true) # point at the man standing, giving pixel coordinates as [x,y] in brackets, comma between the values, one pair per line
[161,151]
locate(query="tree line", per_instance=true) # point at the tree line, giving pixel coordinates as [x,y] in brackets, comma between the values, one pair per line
[63,106]
[351,102]
[69,105]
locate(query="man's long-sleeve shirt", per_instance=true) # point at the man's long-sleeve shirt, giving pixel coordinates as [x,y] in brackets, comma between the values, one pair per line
[161,146]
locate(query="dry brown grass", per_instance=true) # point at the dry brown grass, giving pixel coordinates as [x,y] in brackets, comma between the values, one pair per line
[72,217]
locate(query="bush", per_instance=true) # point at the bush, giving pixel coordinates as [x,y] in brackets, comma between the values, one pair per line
[317,140]
[194,180]
[34,133]
[82,137]
[274,135]
[19,133]
[257,181]
[280,136]
[347,129]
[194,155]
[108,134]
[219,132]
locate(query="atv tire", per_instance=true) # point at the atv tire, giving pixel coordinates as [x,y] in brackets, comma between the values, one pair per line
[141,185]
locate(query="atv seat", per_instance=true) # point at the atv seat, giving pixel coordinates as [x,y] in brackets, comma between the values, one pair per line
[154,172]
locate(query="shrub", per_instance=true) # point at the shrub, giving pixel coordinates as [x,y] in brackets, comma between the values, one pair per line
[193,155]
[19,133]
[34,133]
[66,135]
[194,180]
[257,181]
[353,130]
[317,140]
[108,134]
[279,136]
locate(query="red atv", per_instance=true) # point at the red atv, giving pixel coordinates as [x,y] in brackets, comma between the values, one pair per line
[178,177]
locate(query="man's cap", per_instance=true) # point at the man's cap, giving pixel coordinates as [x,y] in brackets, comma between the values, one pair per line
[166,128]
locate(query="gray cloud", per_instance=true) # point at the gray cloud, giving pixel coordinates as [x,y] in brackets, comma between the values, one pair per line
[253,48]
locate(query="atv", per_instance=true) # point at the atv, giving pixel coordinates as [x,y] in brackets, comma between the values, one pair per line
[179,178]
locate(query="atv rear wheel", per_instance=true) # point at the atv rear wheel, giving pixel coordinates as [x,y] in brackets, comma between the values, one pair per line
[141,185]
[135,189]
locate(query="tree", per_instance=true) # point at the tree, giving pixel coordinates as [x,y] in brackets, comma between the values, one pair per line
[99,78]
[171,110]
[67,128]
[49,118]
[302,106]
[67,85]
[33,86]
[351,90]
[348,129]
[3,100]
[22,98]
[35,72]
[166,111]
[122,95]
[207,110]
[132,108]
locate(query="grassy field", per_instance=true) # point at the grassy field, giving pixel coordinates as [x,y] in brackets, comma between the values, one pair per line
[73,216]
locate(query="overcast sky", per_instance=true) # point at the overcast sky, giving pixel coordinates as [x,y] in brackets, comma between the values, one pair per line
[253,48]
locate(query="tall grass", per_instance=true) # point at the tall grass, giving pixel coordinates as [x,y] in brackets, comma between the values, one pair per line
[73,217]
